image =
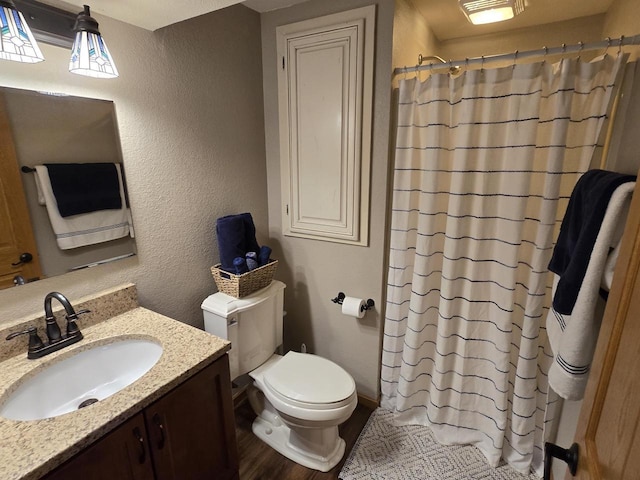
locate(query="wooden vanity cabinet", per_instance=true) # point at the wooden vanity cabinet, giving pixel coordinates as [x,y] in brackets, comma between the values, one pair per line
[122,454]
[187,434]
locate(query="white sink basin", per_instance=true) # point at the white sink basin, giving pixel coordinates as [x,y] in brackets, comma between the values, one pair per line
[91,374]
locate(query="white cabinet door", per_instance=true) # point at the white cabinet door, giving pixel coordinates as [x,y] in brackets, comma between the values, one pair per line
[324,89]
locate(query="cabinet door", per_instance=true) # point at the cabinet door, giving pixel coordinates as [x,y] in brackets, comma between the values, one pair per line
[324,100]
[122,454]
[192,428]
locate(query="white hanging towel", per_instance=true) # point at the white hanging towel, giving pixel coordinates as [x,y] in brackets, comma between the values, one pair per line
[573,336]
[85,228]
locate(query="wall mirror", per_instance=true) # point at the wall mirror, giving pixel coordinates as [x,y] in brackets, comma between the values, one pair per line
[38,128]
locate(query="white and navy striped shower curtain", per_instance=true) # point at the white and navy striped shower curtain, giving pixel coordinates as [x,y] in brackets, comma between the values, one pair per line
[484,167]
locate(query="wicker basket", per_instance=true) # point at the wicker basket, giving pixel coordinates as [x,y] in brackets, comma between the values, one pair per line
[242,285]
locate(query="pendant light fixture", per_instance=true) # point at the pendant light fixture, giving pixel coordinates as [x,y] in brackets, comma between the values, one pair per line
[89,54]
[480,12]
[16,40]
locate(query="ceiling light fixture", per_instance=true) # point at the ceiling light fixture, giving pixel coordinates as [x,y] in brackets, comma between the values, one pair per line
[480,12]
[89,54]
[16,40]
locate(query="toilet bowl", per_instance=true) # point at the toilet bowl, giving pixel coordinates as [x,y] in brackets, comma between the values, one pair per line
[300,399]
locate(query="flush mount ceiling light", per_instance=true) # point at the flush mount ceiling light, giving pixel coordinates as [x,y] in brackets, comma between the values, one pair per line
[89,54]
[480,12]
[16,40]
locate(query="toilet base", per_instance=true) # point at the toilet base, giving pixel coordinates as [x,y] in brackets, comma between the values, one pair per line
[283,439]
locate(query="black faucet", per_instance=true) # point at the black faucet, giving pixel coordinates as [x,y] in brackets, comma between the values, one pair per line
[57,340]
[53,330]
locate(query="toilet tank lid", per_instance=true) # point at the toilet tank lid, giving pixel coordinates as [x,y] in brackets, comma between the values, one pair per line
[224,305]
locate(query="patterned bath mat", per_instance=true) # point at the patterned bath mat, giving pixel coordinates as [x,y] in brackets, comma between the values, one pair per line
[385,451]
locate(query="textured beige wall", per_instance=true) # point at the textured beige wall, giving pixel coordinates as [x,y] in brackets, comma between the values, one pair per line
[411,35]
[315,271]
[586,29]
[622,19]
[190,113]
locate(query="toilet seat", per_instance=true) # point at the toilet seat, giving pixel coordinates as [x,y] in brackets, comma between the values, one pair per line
[309,381]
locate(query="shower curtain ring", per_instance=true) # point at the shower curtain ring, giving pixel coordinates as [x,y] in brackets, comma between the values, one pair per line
[606,50]
[420,59]
[620,44]
[482,65]
[581,45]
[515,59]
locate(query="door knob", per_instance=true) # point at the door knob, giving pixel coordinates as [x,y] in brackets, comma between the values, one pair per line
[568,455]
[26,257]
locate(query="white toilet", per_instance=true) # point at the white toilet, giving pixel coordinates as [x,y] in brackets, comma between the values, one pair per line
[300,399]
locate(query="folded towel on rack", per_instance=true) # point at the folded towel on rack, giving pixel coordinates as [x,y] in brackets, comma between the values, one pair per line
[85,187]
[573,336]
[236,236]
[578,232]
[84,228]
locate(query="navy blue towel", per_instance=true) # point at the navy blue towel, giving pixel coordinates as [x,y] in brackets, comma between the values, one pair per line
[236,236]
[84,187]
[578,233]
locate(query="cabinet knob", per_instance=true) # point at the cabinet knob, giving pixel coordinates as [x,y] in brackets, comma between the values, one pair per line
[143,453]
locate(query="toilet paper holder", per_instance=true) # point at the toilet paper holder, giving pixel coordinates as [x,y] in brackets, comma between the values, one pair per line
[367,306]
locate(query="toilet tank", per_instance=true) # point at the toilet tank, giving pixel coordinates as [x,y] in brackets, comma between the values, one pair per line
[252,324]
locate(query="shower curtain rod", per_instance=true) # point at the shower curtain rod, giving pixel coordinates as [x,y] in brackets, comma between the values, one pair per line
[564,49]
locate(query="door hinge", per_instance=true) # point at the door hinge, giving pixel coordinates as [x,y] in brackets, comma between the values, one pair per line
[283,63]
[287,209]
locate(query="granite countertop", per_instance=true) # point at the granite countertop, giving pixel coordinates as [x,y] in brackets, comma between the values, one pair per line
[29,449]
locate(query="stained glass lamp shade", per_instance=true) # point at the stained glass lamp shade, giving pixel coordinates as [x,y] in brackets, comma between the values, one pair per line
[16,40]
[89,54]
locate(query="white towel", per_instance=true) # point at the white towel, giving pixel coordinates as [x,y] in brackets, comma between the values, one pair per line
[573,337]
[85,228]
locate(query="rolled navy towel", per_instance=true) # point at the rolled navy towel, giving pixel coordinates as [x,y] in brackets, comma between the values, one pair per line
[264,255]
[240,266]
[252,260]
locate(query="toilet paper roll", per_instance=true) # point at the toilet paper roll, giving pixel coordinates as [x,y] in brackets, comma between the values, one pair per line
[353,307]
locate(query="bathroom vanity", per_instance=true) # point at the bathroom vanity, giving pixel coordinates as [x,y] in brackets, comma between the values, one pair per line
[175,421]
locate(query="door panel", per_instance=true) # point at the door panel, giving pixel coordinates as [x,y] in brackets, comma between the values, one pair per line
[16,236]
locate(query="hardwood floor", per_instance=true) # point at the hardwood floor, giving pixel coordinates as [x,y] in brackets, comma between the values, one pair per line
[260,462]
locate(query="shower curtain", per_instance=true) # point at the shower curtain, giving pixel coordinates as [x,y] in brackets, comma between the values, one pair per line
[484,167]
